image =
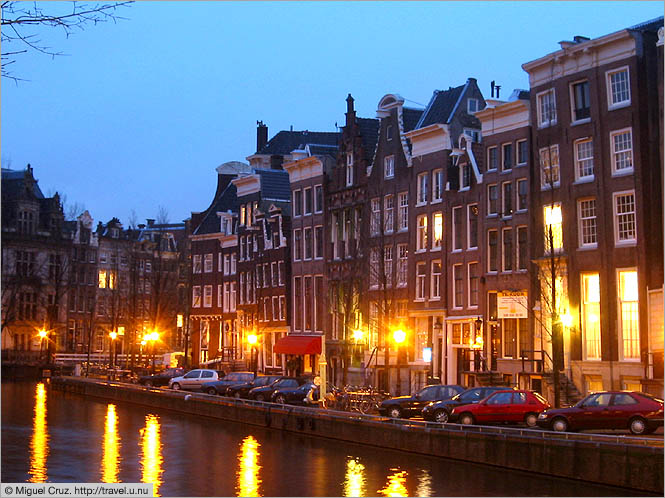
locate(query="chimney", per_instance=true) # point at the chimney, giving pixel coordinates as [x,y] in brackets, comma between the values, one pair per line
[150,221]
[261,135]
[350,111]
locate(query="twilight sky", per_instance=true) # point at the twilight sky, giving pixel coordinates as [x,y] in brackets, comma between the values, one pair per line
[138,114]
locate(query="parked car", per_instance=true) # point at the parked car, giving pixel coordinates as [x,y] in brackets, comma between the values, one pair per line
[264,393]
[639,412]
[193,379]
[409,406]
[439,411]
[162,378]
[242,390]
[507,407]
[295,395]
[230,379]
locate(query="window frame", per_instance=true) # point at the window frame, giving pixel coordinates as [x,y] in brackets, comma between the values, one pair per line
[489,251]
[608,86]
[403,211]
[470,305]
[573,101]
[491,213]
[437,186]
[620,314]
[458,245]
[305,191]
[615,214]
[509,155]
[389,167]
[542,123]
[491,149]
[507,199]
[458,267]
[517,152]
[613,159]
[578,177]
[422,233]
[422,181]
[580,224]
[553,184]
[435,281]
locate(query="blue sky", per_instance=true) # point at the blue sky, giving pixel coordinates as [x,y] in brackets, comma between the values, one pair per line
[138,114]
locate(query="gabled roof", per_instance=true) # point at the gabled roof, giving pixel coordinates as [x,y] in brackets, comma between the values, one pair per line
[286,141]
[323,150]
[441,106]
[227,200]
[411,117]
[275,184]
[369,133]
[14,184]
[650,25]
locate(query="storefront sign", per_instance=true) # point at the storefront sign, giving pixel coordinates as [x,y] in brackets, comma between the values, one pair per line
[512,304]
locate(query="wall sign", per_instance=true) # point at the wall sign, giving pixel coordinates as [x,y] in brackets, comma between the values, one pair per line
[512,304]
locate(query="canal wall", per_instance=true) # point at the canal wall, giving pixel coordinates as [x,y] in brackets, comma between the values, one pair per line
[632,466]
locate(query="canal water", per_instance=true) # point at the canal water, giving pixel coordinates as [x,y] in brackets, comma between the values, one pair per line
[53,436]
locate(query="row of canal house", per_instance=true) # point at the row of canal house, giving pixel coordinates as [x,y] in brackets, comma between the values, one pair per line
[469,225]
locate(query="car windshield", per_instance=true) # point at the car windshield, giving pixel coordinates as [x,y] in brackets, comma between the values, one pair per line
[468,396]
[262,381]
[649,396]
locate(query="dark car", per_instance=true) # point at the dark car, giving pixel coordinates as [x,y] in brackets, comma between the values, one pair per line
[639,412]
[264,393]
[242,390]
[439,411]
[162,378]
[409,406]
[230,379]
[295,395]
[503,407]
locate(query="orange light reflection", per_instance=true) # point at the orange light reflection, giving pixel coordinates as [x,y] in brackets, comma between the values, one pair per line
[395,486]
[39,443]
[354,481]
[151,453]
[248,471]
[111,455]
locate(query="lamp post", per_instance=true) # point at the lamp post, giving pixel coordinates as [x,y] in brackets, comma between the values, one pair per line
[152,337]
[42,336]
[253,340]
[399,336]
[479,343]
[112,336]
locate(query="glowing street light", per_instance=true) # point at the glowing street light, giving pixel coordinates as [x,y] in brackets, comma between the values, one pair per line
[567,319]
[399,336]
[253,340]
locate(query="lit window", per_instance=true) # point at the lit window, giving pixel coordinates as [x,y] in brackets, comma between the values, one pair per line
[553,227]
[546,108]
[584,159]
[629,314]
[389,166]
[624,218]
[438,230]
[618,85]
[196,296]
[207,263]
[102,279]
[587,223]
[622,151]
[549,167]
[591,315]
[207,296]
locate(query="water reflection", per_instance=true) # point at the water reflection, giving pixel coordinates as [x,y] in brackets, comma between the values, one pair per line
[39,442]
[248,472]
[111,455]
[424,484]
[354,482]
[151,453]
[395,486]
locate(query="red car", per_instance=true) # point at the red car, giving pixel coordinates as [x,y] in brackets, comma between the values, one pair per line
[512,407]
[639,412]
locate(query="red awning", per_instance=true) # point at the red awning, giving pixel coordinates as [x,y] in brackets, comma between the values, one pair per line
[298,344]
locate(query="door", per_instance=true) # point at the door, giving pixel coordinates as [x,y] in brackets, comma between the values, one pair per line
[622,408]
[460,366]
[206,376]
[596,411]
[190,379]
[518,407]
[495,408]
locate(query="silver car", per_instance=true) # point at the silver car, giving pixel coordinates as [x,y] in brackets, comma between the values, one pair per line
[193,379]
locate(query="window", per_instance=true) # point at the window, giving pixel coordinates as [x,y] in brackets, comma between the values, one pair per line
[309,243]
[435,293]
[242,288]
[507,199]
[273,274]
[102,279]
[618,88]
[207,263]
[622,151]
[546,108]
[26,222]
[507,249]
[492,159]
[522,248]
[297,302]
[233,264]
[389,166]
[421,272]
[403,213]
[580,100]
[437,185]
[297,245]
[473,285]
[318,198]
[226,307]
[388,265]
[587,222]
[471,105]
[422,189]
[227,263]
[207,296]
[375,221]
[629,314]
[196,296]
[374,267]
[591,315]
[309,202]
[421,236]
[402,264]
[522,192]
[492,200]
[389,132]
[465,175]
[472,225]
[243,215]
[584,159]
[549,167]
[297,203]
[282,308]
[507,159]
[522,152]
[437,223]
[458,286]
[318,242]
[474,135]
[493,251]
[458,228]
[553,227]
[280,271]
[389,213]
[196,265]
[624,218]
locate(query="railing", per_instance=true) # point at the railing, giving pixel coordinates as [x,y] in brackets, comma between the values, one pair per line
[104,358]
[540,364]
[16,356]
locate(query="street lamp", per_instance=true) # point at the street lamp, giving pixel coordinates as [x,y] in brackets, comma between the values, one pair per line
[152,337]
[113,335]
[42,336]
[399,337]
[253,340]
[478,344]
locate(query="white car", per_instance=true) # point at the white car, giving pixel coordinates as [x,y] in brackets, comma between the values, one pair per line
[193,379]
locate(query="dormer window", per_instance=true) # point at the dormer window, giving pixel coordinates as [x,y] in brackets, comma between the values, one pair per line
[115,233]
[349,169]
[389,132]
[389,166]
[471,105]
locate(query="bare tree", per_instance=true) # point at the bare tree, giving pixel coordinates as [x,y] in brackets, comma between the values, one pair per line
[21,22]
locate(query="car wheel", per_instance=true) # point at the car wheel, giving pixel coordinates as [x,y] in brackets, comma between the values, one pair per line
[211,390]
[530,419]
[395,412]
[559,424]
[175,386]
[466,419]
[260,397]
[441,416]
[638,426]
[236,395]
[280,399]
